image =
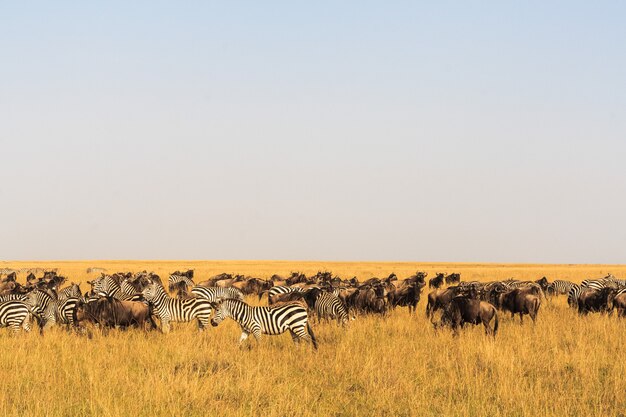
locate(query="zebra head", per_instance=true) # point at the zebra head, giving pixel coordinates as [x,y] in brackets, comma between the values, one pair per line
[150,291]
[219,313]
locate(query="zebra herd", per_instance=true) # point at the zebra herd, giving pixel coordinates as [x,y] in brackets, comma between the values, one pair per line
[126,299]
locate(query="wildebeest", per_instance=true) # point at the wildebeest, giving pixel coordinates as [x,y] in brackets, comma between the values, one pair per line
[437,281]
[520,301]
[463,310]
[110,312]
[596,300]
[453,278]
[253,286]
[440,298]
[368,299]
[406,295]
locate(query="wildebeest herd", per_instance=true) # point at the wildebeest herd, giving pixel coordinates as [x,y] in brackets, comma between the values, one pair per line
[123,300]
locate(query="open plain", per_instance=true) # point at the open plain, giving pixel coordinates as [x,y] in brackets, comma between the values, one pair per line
[394,366]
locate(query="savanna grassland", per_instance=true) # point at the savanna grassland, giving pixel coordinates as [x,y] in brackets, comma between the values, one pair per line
[394,366]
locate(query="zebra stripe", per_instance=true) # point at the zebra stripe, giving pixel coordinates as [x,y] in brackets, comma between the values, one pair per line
[66,309]
[107,286]
[561,287]
[329,306]
[265,320]
[71,291]
[574,294]
[175,279]
[43,306]
[15,314]
[216,293]
[280,290]
[12,297]
[175,309]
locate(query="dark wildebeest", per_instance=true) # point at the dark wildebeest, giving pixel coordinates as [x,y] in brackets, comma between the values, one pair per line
[463,310]
[110,312]
[453,279]
[406,295]
[369,299]
[439,299]
[520,301]
[596,300]
[543,283]
[437,281]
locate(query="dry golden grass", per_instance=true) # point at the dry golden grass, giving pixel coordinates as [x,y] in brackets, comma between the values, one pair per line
[398,366]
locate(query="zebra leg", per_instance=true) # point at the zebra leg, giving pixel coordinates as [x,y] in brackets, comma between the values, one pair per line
[243,337]
[294,337]
[15,327]
[165,326]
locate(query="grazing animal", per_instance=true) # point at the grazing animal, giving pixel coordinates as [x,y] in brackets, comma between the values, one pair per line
[265,320]
[596,300]
[520,301]
[436,282]
[44,307]
[327,306]
[276,291]
[15,315]
[215,293]
[110,312]
[438,299]
[560,287]
[181,283]
[574,294]
[453,279]
[169,309]
[463,310]
[108,286]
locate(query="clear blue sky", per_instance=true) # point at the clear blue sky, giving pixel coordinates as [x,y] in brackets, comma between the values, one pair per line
[435,131]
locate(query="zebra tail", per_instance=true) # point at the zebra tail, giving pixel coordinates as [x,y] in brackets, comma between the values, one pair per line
[313,339]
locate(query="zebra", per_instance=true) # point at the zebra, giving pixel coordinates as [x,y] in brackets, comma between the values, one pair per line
[15,314]
[43,306]
[273,292]
[107,286]
[180,282]
[290,317]
[215,293]
[574,294]
[598,284]
[73,290]
[12,297]
[328,305]
[169,309]
[560,287]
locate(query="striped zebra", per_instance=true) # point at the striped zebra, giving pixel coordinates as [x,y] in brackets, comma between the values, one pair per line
[560,287]
[290,317]
[273,292]
[176,310]
[12,297]
[574,294]
[107,286]
[598,284]
[329,306]
[44,307]
[15,314]
[216,293]
[67,300]
[181,284]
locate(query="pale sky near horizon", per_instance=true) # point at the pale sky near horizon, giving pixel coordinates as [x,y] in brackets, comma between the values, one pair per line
[418,131]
